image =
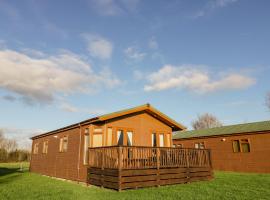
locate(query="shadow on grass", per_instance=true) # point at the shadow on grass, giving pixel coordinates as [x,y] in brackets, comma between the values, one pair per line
[9,174]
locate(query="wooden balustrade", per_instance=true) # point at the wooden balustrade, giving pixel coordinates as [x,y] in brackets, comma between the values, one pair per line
[135,157]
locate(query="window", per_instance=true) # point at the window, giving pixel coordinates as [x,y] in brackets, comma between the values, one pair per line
[245,147]
[199,145]
[36,148]
[168,140]
[241,146]
[161,140]
[179,145]
[129,138]
[109,136]
[45,147]
[63,144]
[120,137]
[236,146]
[154,139]
[86,145]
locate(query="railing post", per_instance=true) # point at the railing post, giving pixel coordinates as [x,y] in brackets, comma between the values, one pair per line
[158,165]
[210,158]
[187,163]
[102,166]
[120,166]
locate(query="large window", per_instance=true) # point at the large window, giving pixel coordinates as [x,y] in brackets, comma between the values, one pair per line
[236,146]
[168,140]
[161,140]
[241,145]
[109,136]
[120,137]
[199,145]
[129,138]
[36,148]
[45,147]
[63,144]
[86,145]
[154,139]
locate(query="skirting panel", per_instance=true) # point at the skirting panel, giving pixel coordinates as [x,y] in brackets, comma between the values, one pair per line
[140,178]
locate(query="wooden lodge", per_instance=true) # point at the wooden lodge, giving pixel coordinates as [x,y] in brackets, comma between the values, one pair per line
[127,149]
[240,147]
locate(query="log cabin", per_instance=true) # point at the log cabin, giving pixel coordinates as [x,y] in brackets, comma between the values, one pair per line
[240,147]
[126,149]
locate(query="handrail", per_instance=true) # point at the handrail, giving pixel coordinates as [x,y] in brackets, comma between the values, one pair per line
[137,157]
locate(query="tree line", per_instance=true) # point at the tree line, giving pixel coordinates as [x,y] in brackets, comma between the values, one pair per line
[10,152]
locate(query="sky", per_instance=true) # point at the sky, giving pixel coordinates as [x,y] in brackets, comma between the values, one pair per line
[65,61]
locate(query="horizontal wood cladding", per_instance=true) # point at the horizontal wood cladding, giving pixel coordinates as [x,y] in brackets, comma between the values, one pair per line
[225,159]
[140,178]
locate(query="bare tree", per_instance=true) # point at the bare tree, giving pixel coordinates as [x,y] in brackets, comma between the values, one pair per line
[268,100]
[11,145]
[2,138]
[206,121]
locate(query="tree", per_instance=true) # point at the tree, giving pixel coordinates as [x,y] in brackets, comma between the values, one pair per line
[206,121]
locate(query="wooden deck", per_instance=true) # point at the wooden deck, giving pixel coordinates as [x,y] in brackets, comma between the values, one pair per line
[121,168]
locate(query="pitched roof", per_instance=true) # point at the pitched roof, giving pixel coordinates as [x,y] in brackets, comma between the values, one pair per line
[224,130]
[146,107]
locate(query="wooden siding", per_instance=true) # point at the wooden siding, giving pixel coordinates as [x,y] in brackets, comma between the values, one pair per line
[223,157]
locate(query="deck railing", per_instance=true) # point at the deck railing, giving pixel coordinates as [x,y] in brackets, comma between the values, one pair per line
[136,157]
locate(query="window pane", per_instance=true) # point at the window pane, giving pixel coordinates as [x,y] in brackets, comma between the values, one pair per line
[236,146]
[161,140]
[168,140]
[86,145]
[109,137]
[65,144]
[120,137]
[201,145]
[154,139]
[129,138]
[97,140]
[196,145]
[245,147]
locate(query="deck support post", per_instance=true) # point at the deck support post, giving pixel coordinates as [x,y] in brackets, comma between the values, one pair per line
[120,166]
[158,165]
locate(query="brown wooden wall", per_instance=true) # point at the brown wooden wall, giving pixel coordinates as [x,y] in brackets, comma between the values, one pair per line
[60,164]
[223,157]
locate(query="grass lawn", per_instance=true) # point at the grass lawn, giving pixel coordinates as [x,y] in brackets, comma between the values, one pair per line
[24,185]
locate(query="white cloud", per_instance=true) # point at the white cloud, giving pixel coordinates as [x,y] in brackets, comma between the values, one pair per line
[222,3]
[98,46]
[196,79]
[138,75]
[114,7]
[153,43]
[134,54]
[210,6]
[21,135]
[69,108]
[35,79]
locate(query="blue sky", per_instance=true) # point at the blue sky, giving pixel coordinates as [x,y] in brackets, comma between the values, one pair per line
[65,61]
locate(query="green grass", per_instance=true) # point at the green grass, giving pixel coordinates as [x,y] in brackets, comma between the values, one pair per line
[24,185]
